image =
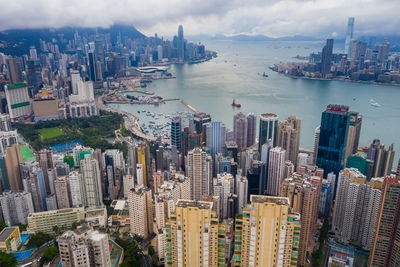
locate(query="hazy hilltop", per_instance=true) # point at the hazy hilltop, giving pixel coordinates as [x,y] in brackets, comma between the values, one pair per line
[17,41]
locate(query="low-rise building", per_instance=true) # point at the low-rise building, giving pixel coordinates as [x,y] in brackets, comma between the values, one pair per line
[47,220]
[10,239]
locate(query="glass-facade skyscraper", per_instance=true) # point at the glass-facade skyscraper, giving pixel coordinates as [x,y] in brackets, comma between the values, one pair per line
[181,48]
[268,128]
[176,132]
[334,129]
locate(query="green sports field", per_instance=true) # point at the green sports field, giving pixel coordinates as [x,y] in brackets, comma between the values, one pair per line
[48,133]
[26,153]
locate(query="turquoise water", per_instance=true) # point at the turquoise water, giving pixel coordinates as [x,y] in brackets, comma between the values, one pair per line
[236,73]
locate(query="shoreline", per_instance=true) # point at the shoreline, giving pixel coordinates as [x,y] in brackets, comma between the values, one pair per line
[338,79]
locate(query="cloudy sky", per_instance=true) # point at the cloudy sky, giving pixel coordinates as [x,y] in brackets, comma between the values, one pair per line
[275,18]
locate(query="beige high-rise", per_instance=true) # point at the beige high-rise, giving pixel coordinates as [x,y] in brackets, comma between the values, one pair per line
[141,211]
[194,236]
[304,199]
[288,137]
[199,172]
[267,233]
[12,160]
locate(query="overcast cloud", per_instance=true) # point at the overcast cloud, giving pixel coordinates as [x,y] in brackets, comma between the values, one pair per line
[319,18]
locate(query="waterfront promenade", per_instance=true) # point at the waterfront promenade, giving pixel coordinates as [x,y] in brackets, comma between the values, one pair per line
[131,121]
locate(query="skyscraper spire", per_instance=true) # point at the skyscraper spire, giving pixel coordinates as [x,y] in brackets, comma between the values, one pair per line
[181,53]
[349,34]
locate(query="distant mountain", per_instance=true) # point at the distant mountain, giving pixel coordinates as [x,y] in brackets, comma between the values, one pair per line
[263,38]
[19,40]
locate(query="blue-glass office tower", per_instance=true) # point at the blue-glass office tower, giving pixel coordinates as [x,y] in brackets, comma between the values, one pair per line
[334,130]
[40,186]
[92,65]
[216,133]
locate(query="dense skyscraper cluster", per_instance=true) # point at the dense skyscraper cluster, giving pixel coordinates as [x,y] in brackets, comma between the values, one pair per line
[194,193]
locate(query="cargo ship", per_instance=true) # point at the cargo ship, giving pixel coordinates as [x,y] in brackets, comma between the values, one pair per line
[234,104]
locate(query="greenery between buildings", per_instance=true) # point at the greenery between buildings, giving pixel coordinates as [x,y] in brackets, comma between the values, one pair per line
[131,252]
[7,260]
[49,254]
[91,131]
[38,239]
[317,256]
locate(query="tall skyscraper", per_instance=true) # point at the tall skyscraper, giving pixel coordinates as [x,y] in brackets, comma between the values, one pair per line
[353,135]
[62,194]
[385,246]
[91,58]
[14,67]
[288,137]
[241,191]
[267,233]
[316,143]
[216,133]
[199,242]
[356,208]
[244,130]
[16,206]
[276,167]
[304,199]
[199,172]
[223,186]
[34,74]
[140,204]
[128,183]
[38,188]
[176,132]
[326,58]
[141,158]
[251,129]
[382,158]
[349,35]
[132,159]
[201,120]
[12,160]
[240,130]
[268,129]
[32,53]
[181,45]
[91,185]
[74,182]
[75,80]
[334,130]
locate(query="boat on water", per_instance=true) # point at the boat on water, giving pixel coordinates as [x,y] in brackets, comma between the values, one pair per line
[265,75]
[374,103]
[234,104]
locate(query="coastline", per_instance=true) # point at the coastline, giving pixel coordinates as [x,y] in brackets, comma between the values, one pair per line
[338,79]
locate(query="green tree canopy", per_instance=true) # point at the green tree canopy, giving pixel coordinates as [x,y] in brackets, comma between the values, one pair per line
[38,239]
[7,260]
[49,253]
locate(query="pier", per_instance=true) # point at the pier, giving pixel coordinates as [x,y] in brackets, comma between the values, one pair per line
[190,107]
